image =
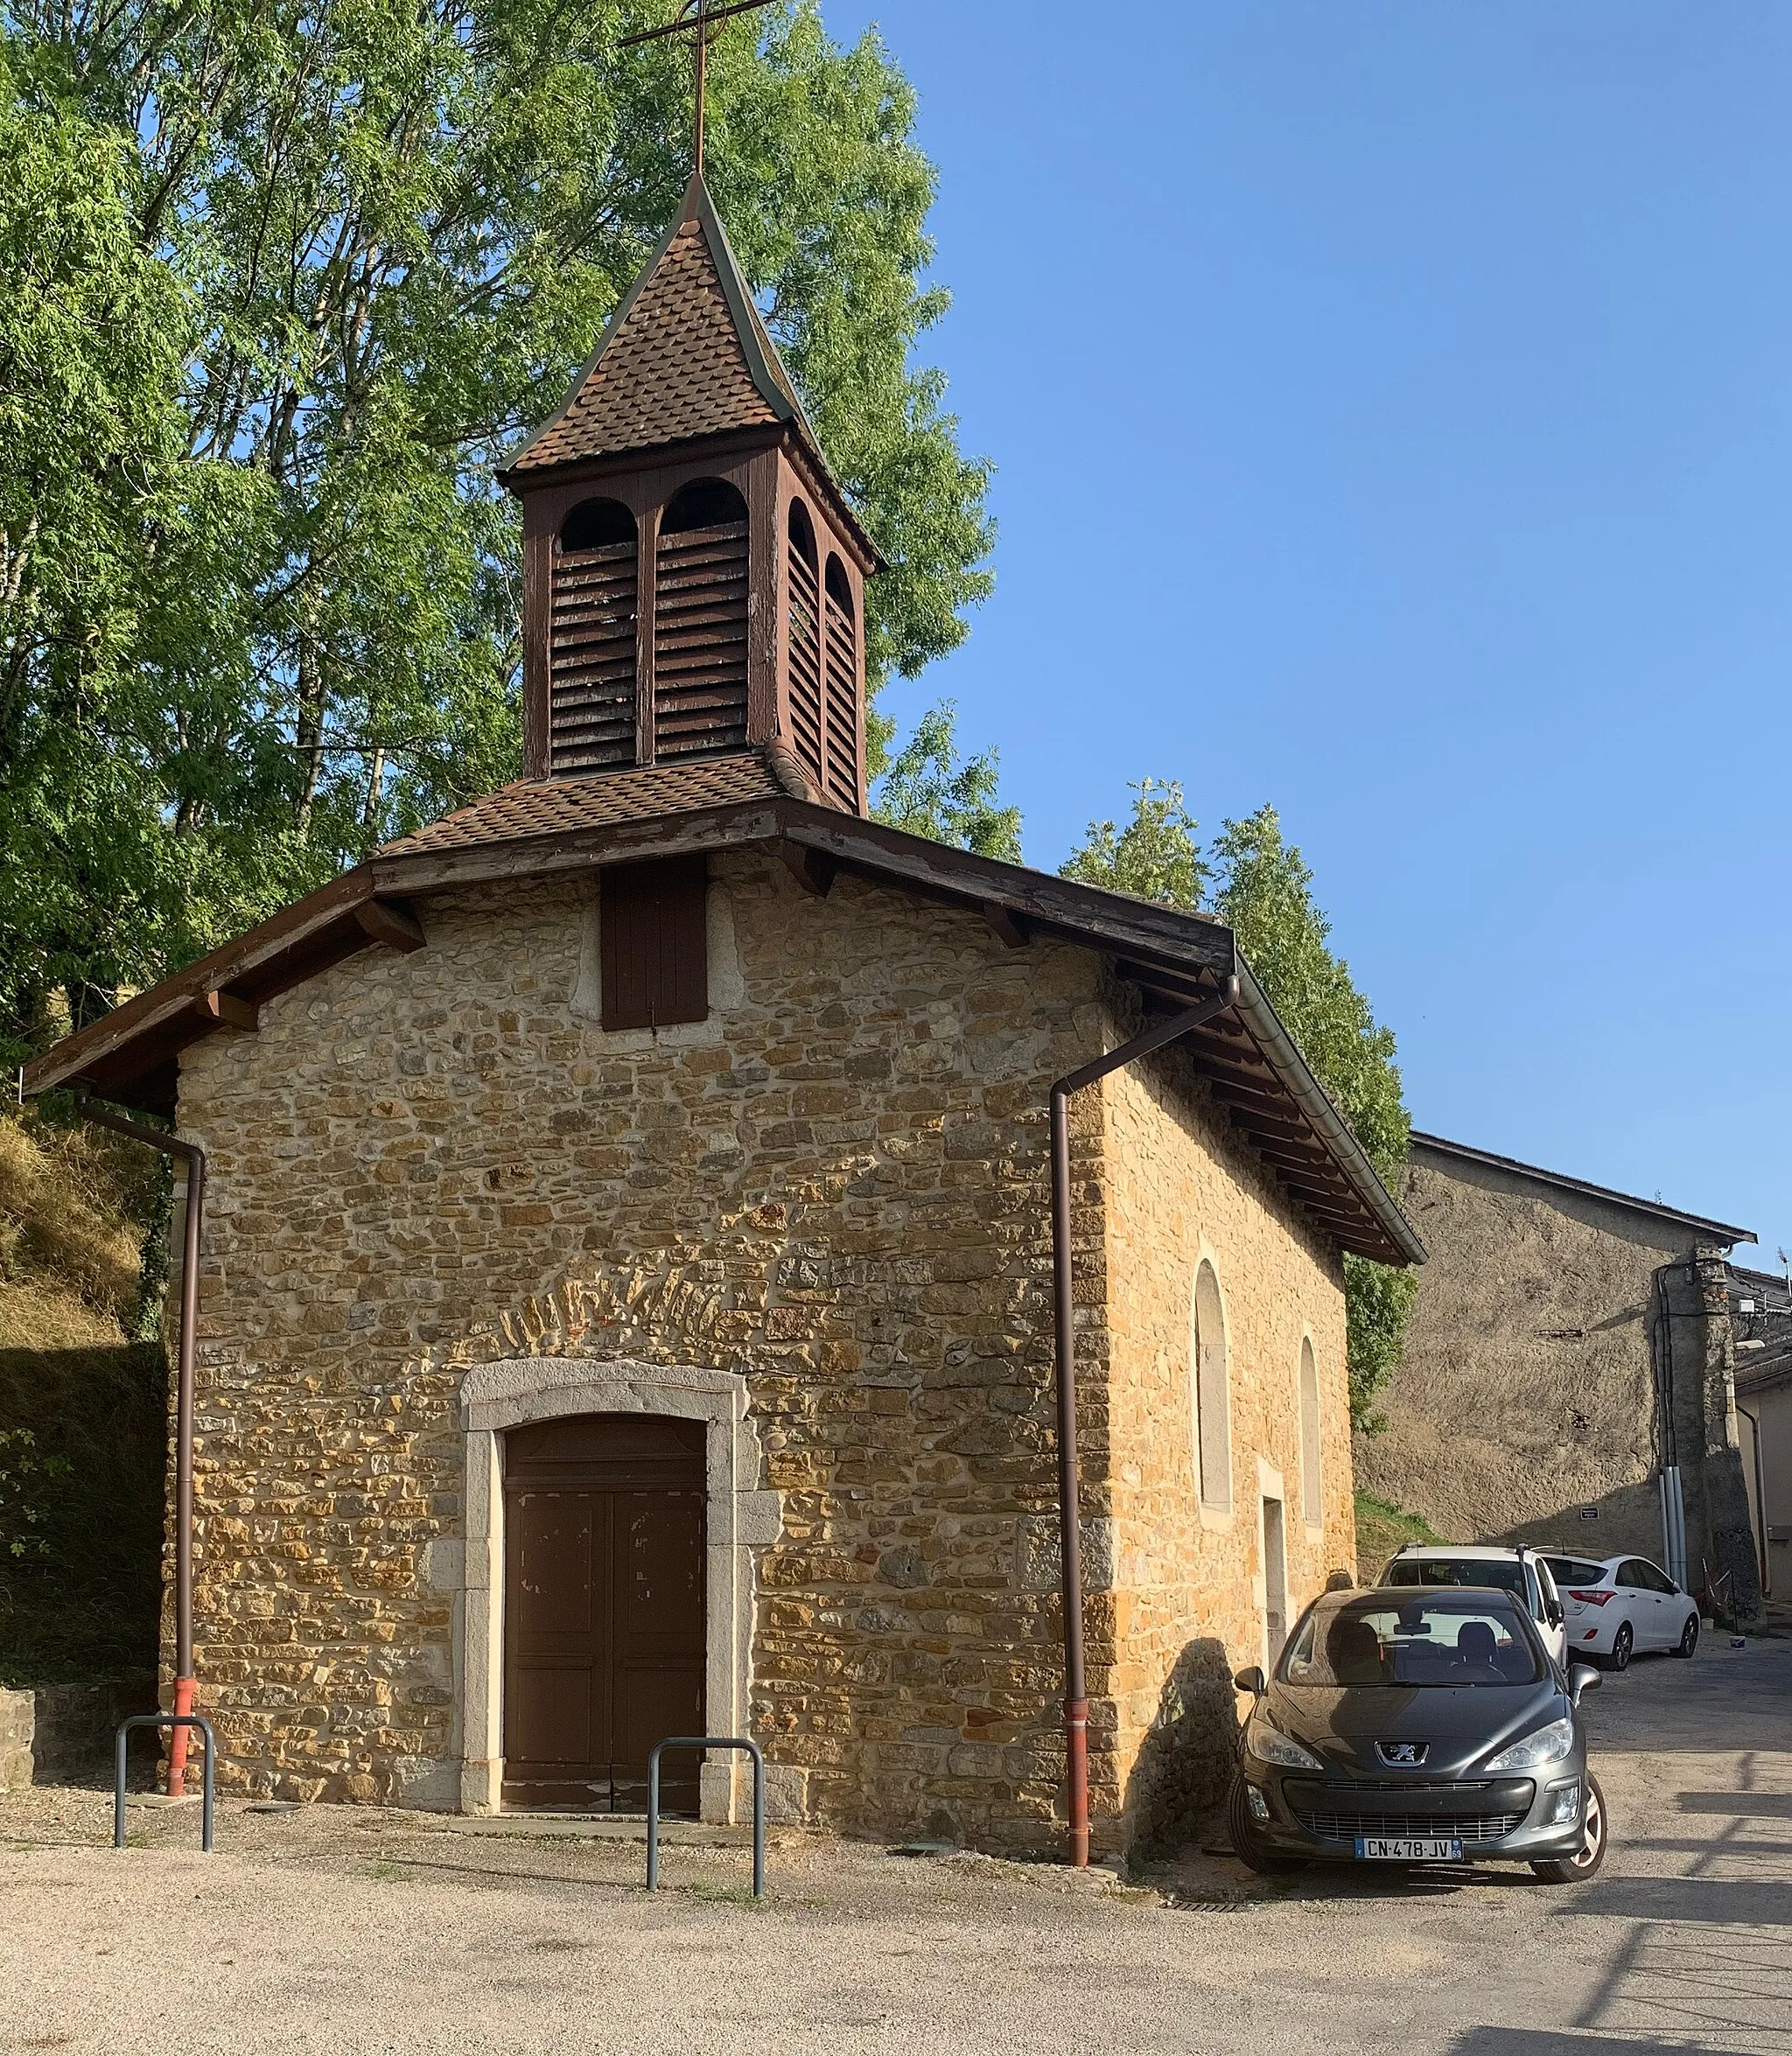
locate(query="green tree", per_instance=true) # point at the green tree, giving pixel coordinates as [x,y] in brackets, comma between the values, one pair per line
[1156,856]
[930,790]
[1259,884]
[1264,894]
[361,247]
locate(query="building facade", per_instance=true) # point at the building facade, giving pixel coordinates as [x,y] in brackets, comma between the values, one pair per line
[626,1277]
[1569,1358]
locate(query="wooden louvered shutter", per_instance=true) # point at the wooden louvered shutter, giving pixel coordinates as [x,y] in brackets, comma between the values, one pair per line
[655,960]
[592,659]
[700,642]
[842,781]
[805,631]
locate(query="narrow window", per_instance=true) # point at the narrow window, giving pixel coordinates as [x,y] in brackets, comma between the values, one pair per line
[700,615]
[805,654]
[655,959]
[842,690]
[1312,1505]
[591,641]
[1212,1431]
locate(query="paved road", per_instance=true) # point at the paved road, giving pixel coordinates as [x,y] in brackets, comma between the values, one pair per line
[347,1931]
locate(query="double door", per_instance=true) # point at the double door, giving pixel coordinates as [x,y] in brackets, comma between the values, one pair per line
[605,1639]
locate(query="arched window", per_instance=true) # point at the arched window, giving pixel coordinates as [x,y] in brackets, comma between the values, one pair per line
[597,524]
[700,623]
[1312,1504]
[805,651]
[592,653]
[1207,1391]
[843,689]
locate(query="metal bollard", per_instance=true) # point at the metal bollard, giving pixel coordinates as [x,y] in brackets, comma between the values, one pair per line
[165,1720]
[759,1800]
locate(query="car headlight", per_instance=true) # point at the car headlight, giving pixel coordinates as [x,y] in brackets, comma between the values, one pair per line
[1270,1745]
[1548,1744]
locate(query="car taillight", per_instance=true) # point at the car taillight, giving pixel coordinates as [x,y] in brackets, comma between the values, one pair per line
[1592,1599]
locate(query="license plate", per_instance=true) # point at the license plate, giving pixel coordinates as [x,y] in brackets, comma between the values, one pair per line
[1409,1849]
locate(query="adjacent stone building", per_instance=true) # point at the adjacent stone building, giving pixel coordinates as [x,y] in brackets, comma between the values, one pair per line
[1571,1349]
[626,1275]
[1760,1314]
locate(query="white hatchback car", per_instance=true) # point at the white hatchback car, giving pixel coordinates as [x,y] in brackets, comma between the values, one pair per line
[1521,1571]
[1621,1604]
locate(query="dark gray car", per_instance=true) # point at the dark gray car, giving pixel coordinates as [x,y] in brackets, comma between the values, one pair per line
[1405,1726]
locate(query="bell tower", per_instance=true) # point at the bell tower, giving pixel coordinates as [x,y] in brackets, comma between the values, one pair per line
[693,577]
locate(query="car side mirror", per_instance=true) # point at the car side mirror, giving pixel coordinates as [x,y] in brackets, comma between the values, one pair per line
[1251,1680]
[1556,1612]
[1582,1679]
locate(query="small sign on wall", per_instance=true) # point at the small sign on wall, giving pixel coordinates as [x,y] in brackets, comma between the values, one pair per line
[1589,1513]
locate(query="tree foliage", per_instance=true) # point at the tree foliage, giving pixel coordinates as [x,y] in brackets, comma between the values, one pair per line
[1259,884]
[279,283]
[930,790]
[1156,856]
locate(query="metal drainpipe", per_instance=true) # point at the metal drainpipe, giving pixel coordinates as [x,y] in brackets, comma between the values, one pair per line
[1069,1533]
[194,1158]
[1760,1497]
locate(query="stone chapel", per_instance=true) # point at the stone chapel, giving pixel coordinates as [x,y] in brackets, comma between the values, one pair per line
[626,1278]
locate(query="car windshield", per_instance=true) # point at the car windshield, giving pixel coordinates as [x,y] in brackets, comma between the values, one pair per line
[1575,1571]
[1470,1639]
[1505,1576]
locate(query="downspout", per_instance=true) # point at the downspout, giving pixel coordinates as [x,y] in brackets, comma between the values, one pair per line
[1069,1531]
[193,1158]
[1760,1496]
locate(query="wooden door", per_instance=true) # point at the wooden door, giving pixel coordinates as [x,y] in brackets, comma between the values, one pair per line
[604,1622]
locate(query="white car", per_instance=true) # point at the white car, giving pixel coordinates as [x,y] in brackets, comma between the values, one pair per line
[1621,1605]
[1521,1571]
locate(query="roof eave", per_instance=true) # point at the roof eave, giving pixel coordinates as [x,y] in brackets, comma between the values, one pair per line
[1319,1106]
[1138,933]
[1718,1231]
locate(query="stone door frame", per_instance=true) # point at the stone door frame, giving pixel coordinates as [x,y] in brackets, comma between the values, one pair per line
[741,1519]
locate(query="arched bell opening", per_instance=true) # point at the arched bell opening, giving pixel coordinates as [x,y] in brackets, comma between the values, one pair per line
[803,641]
[591,634]
[700,616]
[841,646]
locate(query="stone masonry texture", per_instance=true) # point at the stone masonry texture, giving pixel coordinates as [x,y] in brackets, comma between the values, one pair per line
[836,1189]
[1526,1403]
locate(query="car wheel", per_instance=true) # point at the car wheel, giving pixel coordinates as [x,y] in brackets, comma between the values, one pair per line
[1574,1870]
[1619,1658]
[1243,1829]
[1689,1637]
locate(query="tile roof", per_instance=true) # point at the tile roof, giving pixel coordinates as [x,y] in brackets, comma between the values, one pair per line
[685,355]
[547,807]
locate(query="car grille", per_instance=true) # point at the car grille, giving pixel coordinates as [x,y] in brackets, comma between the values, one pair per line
[1337,1827]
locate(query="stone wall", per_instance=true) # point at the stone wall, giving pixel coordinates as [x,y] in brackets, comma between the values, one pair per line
[1525,1402]
[833,1191]
[1188,1606]
[17,1723]
[60,1734]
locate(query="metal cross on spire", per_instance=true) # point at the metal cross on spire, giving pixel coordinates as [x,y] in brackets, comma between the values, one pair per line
[694,19]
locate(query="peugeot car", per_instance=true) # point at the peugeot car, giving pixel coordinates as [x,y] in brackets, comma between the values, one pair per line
[1415,1726]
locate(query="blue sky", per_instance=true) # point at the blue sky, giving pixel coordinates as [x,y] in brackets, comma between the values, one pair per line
[1392,410]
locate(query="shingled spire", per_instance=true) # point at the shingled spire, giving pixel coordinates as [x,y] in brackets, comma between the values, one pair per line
[693,575]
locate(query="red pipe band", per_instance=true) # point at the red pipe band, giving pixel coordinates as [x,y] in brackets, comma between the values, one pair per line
[177,1740]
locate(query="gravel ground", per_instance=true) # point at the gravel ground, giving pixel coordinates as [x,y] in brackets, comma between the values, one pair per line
[353,1930]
